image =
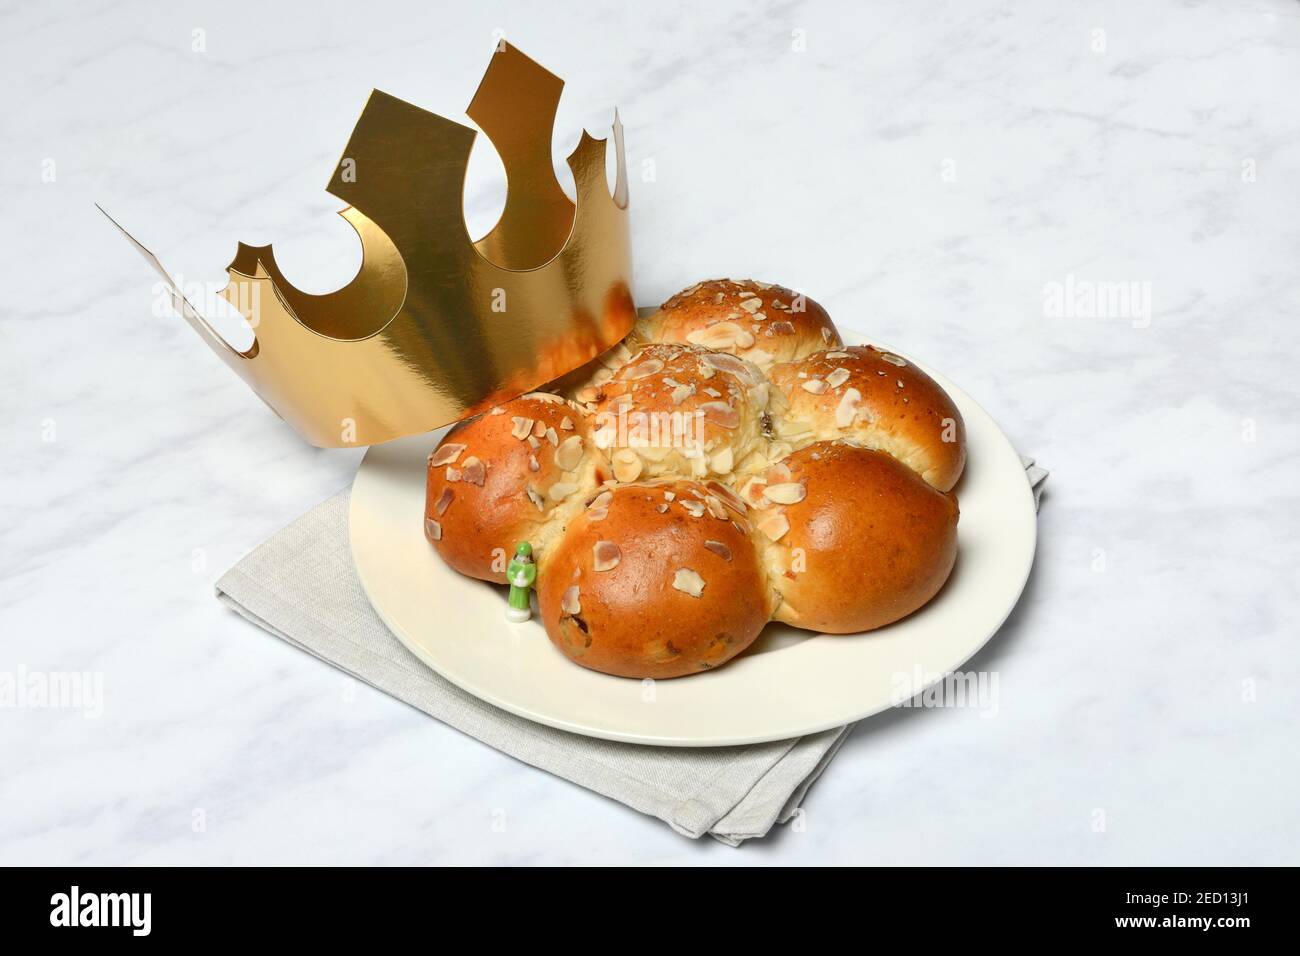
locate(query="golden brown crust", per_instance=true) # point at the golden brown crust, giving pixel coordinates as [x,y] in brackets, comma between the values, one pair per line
[681,410]
[876,399]
[502,478]
[842,534]
[760,322]
[682,589]
[860,541]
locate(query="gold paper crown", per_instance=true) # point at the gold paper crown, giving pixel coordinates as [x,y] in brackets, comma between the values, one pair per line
[436,327]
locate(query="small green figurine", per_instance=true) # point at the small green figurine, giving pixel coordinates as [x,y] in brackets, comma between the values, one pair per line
[521,573]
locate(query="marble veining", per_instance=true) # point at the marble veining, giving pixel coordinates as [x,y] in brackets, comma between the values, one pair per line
[937,176]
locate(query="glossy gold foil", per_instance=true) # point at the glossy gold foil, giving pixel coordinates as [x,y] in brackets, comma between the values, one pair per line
[435,327]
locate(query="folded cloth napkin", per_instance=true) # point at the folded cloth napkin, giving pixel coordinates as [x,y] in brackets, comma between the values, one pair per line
[300,585]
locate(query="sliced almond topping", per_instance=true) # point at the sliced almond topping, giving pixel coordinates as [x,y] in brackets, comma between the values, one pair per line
[539,429]
[720,335]
[721,413]
[720,549]
[497,410]
[474,471]
[778,473]
[774,526]
[533,464]
[443,501]
[745,340]
[643,369]
[688,582]
[433,529]
[837,377]
[561,490]
[715,508]
[569,603]
[601,500]
[681,393]
[533,443]
[827,335]
[786,493]
[727,496]
[661,508]
[627,465]
[725,362]
[893,359]
[814,385]
[605,556]
[753,491]
[781,328]
[722,462]
[535,498]
[694,508]
[566,423]
[751,305]
[523,427]
[552,436]
[847,410]
[616,357]
[838,355]
[549,397]
[569,455]
[445,455]
[669,495]
[453,474]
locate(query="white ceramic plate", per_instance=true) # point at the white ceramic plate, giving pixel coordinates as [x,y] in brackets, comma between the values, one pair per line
[788,683]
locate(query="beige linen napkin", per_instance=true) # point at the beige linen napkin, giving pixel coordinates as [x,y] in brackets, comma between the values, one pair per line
[300,585]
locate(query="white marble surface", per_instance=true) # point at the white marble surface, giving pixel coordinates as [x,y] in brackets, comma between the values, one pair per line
[924,170]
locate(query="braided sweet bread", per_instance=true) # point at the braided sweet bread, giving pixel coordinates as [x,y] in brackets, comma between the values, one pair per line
[730,463]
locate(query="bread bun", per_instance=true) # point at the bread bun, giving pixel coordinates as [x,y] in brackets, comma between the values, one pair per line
[730,462]
[760,322]
[505,477]
[878,400]
[654,580]
[853,538]
[682,411]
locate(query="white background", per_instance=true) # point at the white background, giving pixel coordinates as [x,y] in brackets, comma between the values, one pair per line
[924,170]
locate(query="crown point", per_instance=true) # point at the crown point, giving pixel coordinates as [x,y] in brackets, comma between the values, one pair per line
[409,343]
